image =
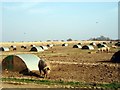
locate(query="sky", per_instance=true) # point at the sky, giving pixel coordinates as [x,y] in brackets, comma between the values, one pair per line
[41,21]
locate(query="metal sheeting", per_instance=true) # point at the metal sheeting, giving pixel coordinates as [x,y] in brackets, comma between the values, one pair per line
[116,57]
[4,49]
[65,44]
[37,49]
[44,47]
[77,46]
[30,60]
[90,47]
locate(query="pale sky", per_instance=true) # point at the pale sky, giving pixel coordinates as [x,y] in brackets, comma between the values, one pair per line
[41,21]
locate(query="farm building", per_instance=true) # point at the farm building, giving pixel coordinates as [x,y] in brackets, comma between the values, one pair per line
[12,46]
[117,44]
[44,47]
[116,57]
[77,46]
[101,45]
[65,44]
[32,45]
[93,44]
[20,62]
[50,45]
[36,49]
[24,46]
[89,47]
[4,49]
[79,43]
[104,43]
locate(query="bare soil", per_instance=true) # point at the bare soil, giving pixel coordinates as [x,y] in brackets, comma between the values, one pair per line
[72,64]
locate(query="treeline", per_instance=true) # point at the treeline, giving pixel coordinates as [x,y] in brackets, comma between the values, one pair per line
[101,38]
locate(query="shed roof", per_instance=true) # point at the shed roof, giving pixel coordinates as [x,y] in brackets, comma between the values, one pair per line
[30,60]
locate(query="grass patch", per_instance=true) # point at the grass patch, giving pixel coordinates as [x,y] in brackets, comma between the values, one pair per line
[114,85]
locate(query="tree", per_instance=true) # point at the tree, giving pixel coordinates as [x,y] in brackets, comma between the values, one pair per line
[69,39]
[101,38]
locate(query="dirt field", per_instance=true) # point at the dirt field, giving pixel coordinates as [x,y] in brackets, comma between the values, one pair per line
[72,64]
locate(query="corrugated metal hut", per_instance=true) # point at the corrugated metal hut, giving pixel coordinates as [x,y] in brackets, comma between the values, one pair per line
[101,45]
[89,47]
[36,49]
[13,47]
[4,49]
[50,45]
[33,45]
[20,62]
[24,46]
[77,46]
[117,44]
[93,44]
[65,44]
[116,57]
[79,43]
[44,47]
[104,43]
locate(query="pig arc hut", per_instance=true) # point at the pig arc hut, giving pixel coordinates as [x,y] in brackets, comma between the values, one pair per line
[20,63]
[36,49]
[116,57]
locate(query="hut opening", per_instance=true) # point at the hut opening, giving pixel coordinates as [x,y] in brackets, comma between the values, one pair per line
[116,57]
[36,49]
[22,63]
[89,47]
[77,46]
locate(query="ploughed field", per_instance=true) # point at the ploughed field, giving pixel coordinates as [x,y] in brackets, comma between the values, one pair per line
[73,64]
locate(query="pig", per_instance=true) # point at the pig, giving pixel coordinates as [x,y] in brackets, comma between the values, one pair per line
[44,67]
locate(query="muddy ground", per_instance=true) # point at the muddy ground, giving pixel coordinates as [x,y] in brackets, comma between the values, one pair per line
[74,64]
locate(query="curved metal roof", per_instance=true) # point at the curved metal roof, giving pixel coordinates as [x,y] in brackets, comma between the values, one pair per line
[30,60]
[44,47]
[89,47]
[77,46]
[39,49]
[4,49]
